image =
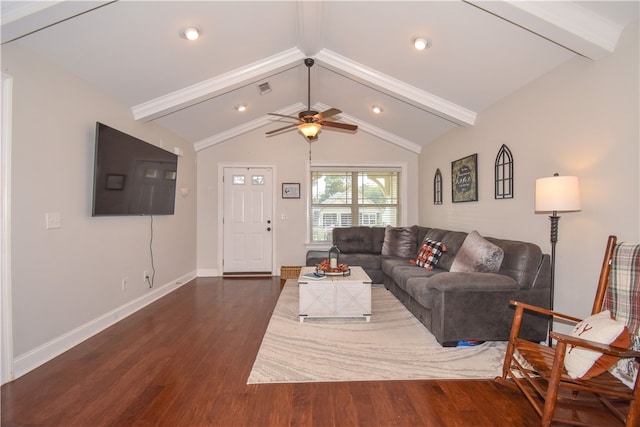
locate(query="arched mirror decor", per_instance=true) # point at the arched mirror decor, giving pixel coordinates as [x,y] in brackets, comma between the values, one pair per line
[437,188]
[504,173]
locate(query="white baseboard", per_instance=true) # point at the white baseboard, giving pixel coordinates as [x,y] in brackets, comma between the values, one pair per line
[208,272]
[27,362]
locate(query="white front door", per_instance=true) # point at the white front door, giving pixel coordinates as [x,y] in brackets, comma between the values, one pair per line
[248,223]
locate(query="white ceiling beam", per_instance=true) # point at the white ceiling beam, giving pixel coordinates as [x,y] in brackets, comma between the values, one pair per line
[23,18]
[396,88]
[218,85]
[309,26]
[562,22]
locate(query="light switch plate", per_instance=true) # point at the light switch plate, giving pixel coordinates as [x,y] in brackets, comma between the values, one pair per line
[53,220]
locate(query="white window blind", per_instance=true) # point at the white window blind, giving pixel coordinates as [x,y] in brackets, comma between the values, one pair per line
[343,198]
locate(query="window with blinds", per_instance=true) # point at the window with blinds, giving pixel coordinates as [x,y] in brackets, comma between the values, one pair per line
[345,198]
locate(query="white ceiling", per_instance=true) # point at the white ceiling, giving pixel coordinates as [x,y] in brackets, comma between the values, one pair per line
[481,52]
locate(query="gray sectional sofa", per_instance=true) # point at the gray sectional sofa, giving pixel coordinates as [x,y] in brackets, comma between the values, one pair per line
[454,306]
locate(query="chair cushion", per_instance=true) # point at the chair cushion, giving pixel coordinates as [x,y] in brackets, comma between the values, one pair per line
[430,253]
[601,328]
[477,254]
[400,242]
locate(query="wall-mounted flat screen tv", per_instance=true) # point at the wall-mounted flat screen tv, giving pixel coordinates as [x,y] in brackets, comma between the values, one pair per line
[132,177]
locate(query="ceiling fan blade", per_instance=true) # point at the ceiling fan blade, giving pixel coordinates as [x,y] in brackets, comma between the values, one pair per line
[339,125]
[271,132]
[284,115]
[328,113]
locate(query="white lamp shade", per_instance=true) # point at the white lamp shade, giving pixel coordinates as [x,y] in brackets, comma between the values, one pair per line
[557,193]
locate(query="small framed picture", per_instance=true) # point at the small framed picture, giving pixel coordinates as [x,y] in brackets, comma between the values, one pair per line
[291,190]
[115,182]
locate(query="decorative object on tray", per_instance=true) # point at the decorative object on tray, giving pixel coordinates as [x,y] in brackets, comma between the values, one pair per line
[334,257]
[324,269]
[313,276]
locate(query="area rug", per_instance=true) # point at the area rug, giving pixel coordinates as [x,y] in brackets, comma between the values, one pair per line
[394,345]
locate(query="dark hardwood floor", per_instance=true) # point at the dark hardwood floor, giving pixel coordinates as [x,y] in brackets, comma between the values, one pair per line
[184,361]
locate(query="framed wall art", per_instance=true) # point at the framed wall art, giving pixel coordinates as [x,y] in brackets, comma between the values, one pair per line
[291,190]
[115,182]
[464,179]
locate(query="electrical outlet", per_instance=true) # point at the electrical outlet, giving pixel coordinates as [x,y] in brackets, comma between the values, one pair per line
[145,276]
[125,282]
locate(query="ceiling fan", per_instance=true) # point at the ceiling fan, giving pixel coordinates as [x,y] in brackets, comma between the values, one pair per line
[310,122]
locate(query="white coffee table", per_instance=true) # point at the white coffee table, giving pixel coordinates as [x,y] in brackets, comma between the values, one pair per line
[335,296]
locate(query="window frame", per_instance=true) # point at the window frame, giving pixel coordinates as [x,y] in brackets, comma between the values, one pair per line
[400,167]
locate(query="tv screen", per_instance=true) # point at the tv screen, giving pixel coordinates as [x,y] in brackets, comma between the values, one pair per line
[132,177]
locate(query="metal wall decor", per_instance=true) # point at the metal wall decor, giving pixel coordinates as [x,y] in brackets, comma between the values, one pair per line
[504,174]
[437,188]
[464,179]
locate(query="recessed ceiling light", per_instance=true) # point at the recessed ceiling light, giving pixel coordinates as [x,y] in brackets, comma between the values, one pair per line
[421,43]
[241,108]
[376,109]
[190,33]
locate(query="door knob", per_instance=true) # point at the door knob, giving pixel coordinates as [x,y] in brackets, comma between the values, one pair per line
[268,228]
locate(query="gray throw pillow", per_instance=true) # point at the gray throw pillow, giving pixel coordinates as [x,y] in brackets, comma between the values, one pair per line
[477,254]
[400,242]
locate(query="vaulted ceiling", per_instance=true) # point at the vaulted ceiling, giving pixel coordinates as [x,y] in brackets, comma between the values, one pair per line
[480,52]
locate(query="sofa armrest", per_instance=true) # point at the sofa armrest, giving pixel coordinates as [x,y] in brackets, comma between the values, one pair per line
[315,257]
[464,281]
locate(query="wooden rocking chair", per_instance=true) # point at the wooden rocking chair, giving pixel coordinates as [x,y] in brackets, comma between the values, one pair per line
[538,370]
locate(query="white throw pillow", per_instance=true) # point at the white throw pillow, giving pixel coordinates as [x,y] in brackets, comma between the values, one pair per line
[601,328]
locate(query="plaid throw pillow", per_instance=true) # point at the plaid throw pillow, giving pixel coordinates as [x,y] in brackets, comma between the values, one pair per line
[430,253]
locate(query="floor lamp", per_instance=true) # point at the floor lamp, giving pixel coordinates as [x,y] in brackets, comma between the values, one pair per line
[556,194]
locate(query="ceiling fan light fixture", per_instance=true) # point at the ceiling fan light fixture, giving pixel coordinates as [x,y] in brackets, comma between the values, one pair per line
[190,33]
[420,43]
[310,130]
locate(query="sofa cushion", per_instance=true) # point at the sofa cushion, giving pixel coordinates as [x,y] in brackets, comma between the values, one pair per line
[521,261]
[430,253]
[422,233]
[407,271]
[453,240]
[602,328]
[353,239]
[400,242]
[377,239]
[389,264]
[366,261]
[422,289]
[477,254]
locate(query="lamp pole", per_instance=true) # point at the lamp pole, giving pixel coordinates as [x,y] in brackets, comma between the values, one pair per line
[556,194]
[554,239]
